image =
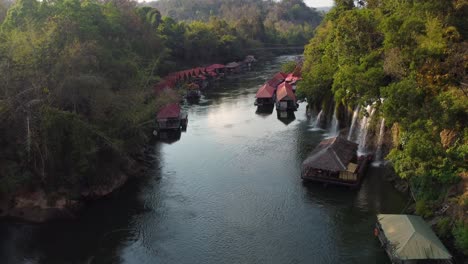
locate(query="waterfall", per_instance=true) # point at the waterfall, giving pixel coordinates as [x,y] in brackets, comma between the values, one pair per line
[334,126]
[378,152]
[353,122]
[364,128]
[316,121]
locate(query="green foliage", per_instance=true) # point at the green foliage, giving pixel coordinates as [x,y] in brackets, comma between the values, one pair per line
[401,55]
[460,233]
[288,67]
[424,209]
[289,22]
[76,103]
[443,227]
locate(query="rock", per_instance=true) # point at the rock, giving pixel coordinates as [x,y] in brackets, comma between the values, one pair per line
[448,137]
[38,207]
[104,190]
[396,135]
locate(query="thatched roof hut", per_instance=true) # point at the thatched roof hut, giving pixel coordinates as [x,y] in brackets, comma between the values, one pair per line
[333,154]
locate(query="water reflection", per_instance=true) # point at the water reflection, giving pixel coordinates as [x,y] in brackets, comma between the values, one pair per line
[264,110]
[169,136]
[287,117]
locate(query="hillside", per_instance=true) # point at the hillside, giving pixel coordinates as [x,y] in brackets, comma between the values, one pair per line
[293,20]
[406,60]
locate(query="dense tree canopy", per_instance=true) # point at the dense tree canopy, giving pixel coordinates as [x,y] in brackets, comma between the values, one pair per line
[273,22]
[409,58]
[75,88]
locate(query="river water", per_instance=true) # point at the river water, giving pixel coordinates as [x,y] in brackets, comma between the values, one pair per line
[229,191]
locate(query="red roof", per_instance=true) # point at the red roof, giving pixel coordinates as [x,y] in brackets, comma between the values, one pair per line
[274,82]
[214,67]
[285,92]
[266,91]
[169,111]
[280,76]
[290,77]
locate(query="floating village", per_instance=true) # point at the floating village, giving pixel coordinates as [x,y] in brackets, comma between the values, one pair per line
[337,160]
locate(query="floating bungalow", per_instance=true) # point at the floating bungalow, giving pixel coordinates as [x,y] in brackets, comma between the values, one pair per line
[408,239]
[277,79]
[265,95]
[193,91]
[216,70]
[285,98]
[170,117]
[335,161]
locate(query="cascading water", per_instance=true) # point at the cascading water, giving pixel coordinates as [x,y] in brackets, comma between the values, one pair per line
[334,126]
[316,122]
[364,128]
[353,123]
[378,152]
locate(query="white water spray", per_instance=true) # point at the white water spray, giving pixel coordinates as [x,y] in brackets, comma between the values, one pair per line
[316,122]
[364,128]
[353,123]
[334,126]
[378,152]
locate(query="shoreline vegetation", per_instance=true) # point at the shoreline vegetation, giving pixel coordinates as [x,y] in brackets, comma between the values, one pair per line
[405,63]
[77,100]
[77,104]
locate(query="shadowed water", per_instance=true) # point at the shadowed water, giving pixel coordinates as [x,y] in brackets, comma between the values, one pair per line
[229,191]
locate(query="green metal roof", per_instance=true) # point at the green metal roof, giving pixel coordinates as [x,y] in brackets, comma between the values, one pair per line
[411,238]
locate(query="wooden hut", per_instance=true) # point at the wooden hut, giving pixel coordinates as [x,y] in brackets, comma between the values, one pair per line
[285,98]
[408,239]
[335,161]
[193,91]
[265,95]
[170,117]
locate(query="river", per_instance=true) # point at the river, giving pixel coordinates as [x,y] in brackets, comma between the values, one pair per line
[228,191]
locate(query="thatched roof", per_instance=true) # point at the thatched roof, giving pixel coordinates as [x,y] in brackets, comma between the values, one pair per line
[333,154]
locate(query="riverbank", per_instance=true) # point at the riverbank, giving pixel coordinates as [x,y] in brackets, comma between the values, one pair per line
[217,193]
[35,204]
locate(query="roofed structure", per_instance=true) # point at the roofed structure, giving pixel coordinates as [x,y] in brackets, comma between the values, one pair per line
[169,111]
[333,154]
[232,65]
[409,237]
[285,92]
[266,91]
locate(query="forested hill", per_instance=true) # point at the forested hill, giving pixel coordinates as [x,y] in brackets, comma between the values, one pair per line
[292,20]
[408,59]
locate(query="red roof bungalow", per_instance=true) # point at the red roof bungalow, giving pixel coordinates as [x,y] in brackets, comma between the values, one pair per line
[265,95]
[215,67]
[280,76]
[285,98]
[170,117]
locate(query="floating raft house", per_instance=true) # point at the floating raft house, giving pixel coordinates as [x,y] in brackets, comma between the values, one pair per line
[335,161]
[408,239]
[170,117]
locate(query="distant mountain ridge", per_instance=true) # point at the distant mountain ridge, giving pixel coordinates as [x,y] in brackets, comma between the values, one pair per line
[294,11]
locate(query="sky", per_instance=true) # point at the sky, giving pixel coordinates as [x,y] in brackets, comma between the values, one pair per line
[319,3]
